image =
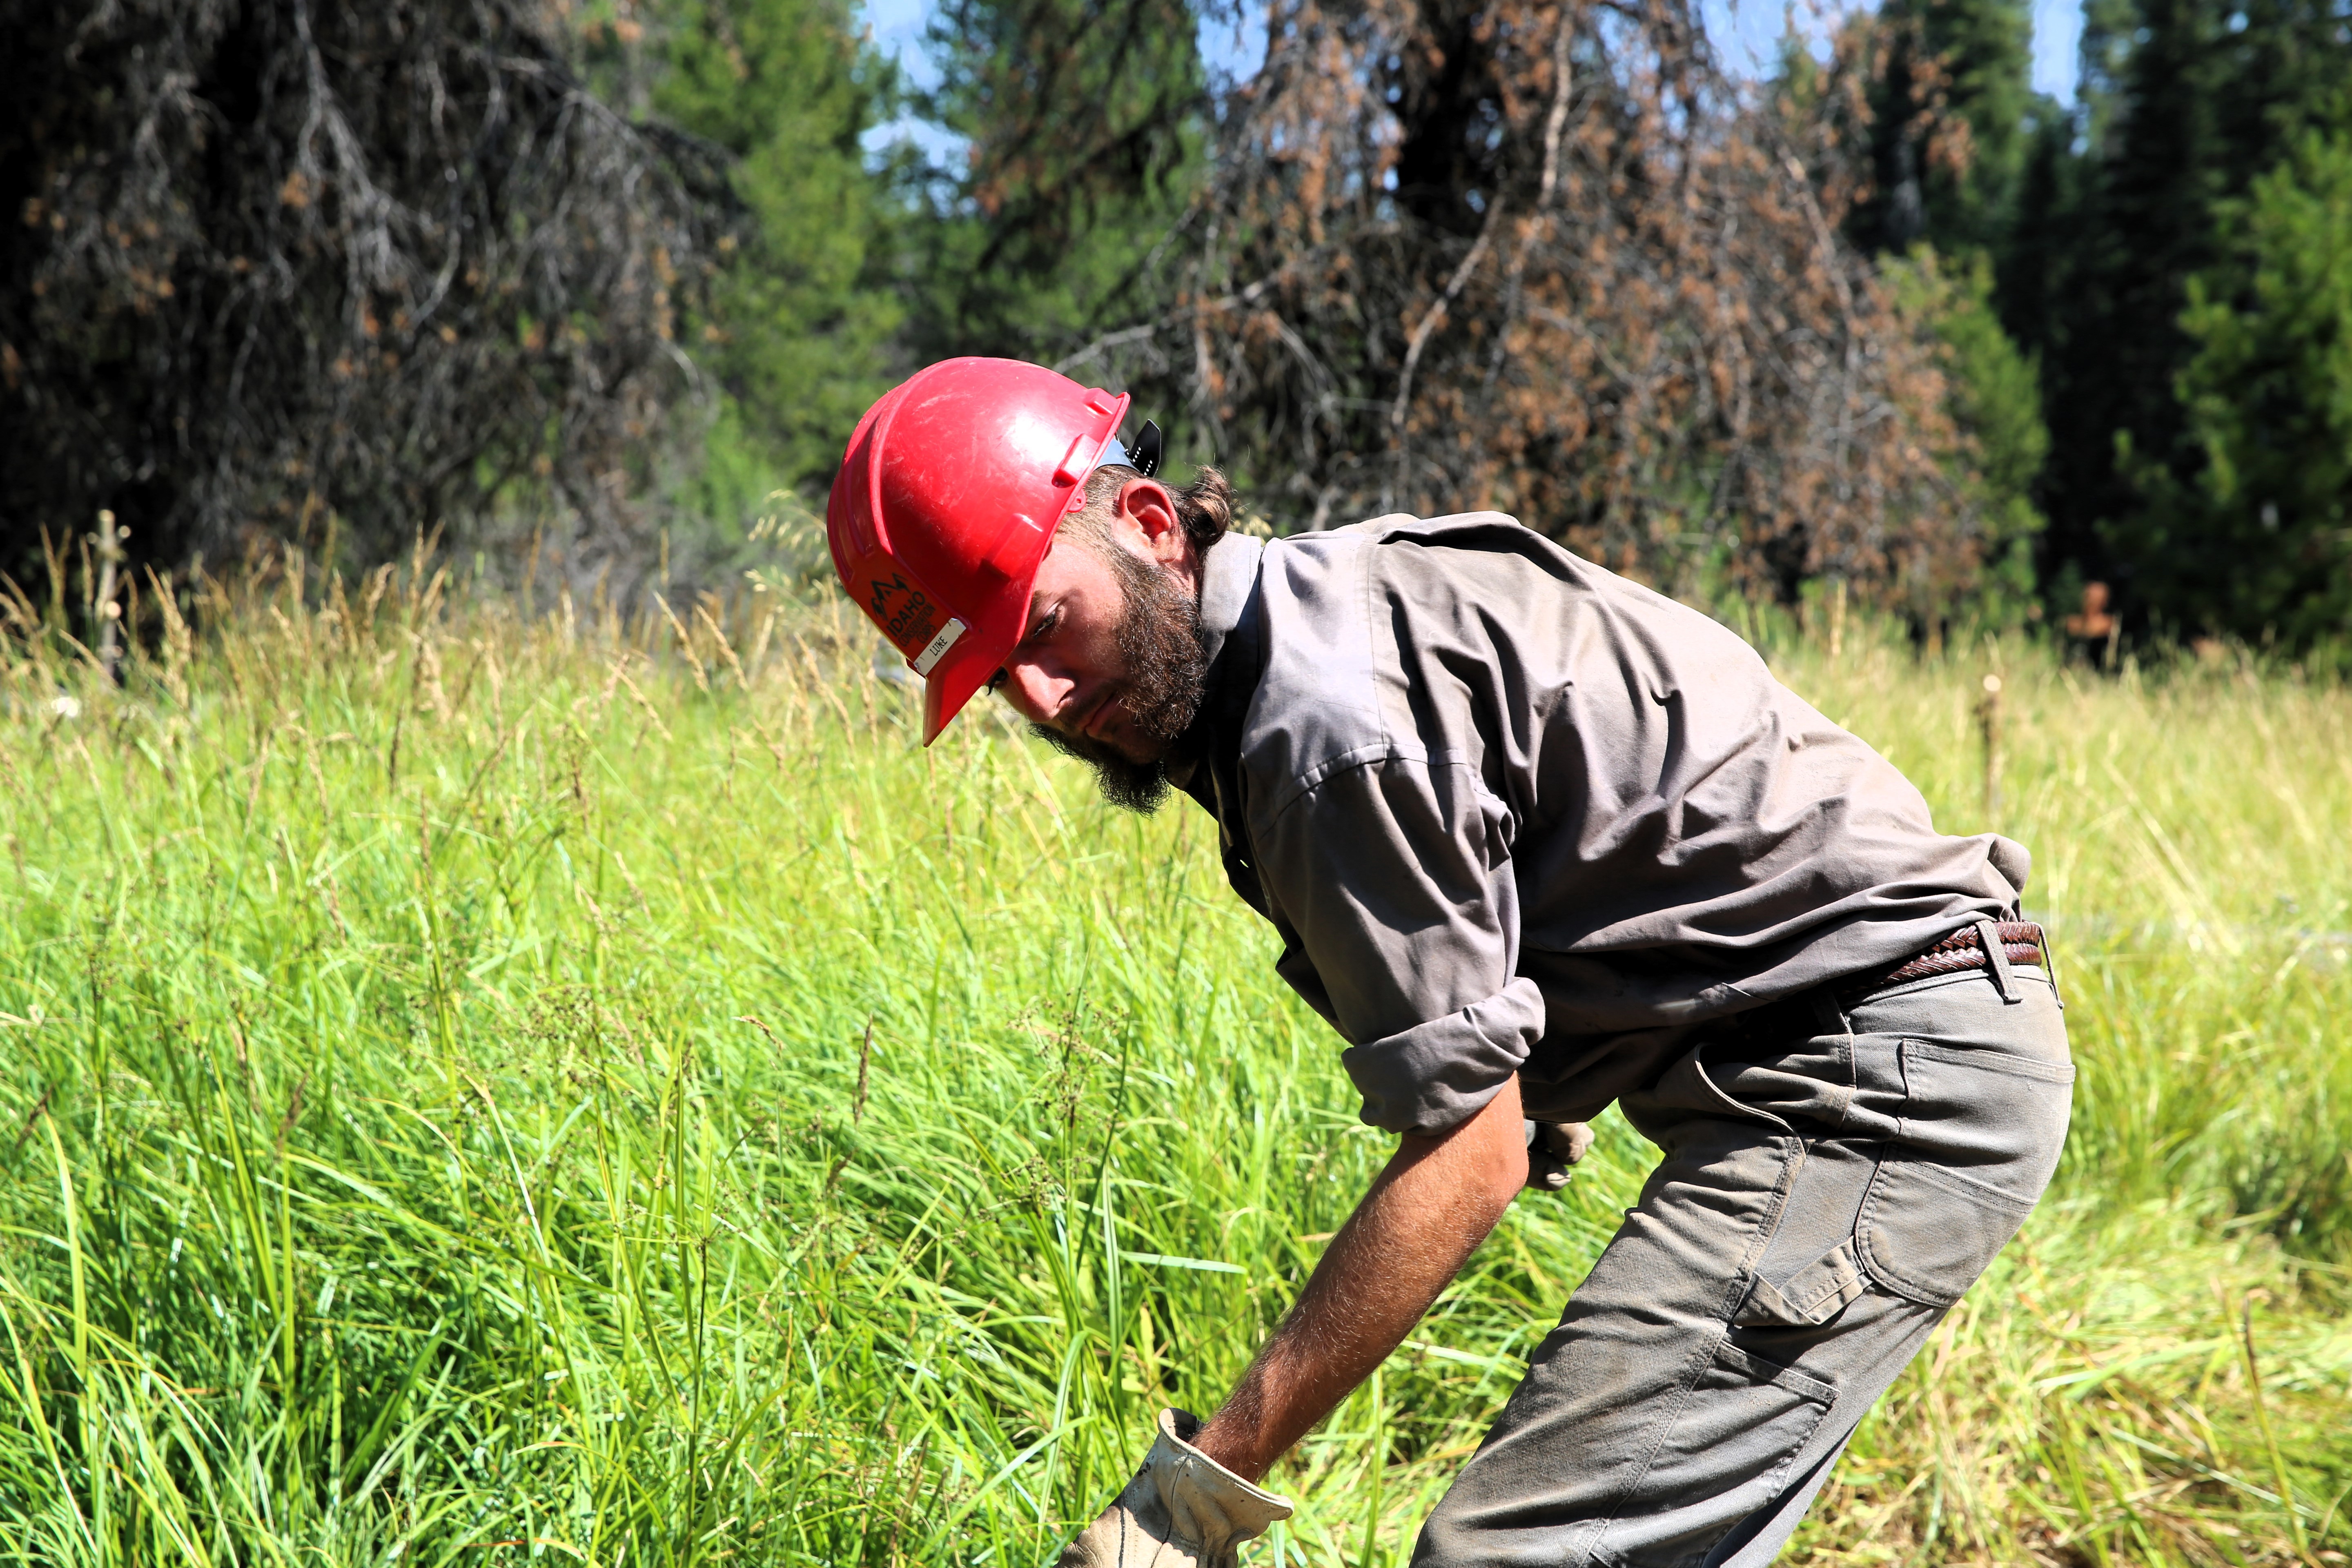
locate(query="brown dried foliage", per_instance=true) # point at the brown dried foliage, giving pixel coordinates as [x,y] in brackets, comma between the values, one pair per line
[1545,257]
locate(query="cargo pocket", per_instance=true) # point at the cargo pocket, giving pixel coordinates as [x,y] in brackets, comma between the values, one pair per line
[1980,1135]
[1808,1298]
[1740,1427]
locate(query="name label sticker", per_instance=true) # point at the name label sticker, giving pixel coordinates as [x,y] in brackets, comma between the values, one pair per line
[937,648]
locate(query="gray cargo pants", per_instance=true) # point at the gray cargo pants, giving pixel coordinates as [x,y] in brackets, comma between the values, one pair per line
[1833,1180]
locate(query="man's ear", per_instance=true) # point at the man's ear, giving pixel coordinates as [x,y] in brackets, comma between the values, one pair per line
[1146,504]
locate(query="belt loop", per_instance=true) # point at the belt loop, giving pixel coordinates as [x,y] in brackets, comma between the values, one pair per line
[1831,1018]
[2049,966]
[1997,962]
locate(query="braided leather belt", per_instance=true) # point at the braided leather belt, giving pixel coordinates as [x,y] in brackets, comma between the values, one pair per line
[2020,940]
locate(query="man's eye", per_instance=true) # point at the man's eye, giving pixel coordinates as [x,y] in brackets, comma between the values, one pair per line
[1045,627]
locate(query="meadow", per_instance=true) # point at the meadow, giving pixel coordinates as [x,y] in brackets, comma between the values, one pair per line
[488,1079]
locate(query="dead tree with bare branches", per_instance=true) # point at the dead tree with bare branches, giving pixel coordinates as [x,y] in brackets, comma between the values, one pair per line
[312,269]
[1542,255]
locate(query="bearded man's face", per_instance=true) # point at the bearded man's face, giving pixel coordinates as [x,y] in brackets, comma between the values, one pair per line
[1158,635]
[1112,672]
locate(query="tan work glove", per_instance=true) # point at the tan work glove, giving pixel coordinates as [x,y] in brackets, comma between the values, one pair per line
[1552,1148]
[1183,1510]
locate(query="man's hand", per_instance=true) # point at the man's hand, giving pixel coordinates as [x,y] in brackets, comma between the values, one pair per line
[1552,1148]
[1183,1510]
[1435,1203]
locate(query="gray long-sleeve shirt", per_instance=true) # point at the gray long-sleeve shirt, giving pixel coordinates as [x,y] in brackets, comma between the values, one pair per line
[1511,813]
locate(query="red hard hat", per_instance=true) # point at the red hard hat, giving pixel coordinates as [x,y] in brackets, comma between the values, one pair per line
[947,500]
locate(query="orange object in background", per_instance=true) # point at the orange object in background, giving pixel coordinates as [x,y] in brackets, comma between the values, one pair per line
[2094,624]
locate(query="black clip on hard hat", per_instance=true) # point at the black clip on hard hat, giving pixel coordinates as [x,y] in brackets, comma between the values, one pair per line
[1148,448]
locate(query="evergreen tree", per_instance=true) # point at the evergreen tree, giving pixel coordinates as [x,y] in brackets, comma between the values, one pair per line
[1088,122]
[1994,398]
[2032,260]
[2258,540]
[1949,106]
[2188,102]
[2104,54]
[799,329]
[1545,257]
[1965,160]
[2149,227]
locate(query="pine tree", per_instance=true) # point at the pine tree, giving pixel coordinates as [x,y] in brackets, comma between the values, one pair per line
[799,329]
[2032,261]
[1542,257]
[2189,100]
[1949,111]
[2149,225]
[1994,397]
[1088,122]
[321,272]
[2257,540]
[1966,161]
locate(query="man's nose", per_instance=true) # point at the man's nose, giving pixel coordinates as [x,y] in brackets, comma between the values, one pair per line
[1036,693]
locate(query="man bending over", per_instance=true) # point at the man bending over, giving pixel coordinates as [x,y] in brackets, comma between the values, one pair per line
[1535,840]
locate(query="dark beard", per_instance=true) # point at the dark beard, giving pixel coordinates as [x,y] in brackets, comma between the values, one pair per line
[1159,635]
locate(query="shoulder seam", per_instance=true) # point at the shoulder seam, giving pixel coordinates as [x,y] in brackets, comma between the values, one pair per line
[1313,779]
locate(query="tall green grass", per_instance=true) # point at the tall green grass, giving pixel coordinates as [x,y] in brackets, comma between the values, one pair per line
[483,1085]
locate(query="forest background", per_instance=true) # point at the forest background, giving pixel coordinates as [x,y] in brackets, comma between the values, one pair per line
[593,288]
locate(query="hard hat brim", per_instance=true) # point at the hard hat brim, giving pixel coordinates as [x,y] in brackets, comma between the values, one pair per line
[954,681]
[975,657]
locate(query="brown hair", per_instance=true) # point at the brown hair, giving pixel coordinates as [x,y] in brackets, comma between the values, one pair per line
[1205,507]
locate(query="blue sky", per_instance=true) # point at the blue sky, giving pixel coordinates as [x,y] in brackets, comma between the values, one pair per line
[1747,31]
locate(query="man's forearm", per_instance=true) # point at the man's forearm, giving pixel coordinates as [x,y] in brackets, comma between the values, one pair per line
[1433,1204]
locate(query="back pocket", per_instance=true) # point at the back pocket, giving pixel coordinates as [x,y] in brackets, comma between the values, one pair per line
[1980,1136]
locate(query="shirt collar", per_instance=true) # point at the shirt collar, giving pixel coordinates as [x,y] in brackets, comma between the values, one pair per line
[1229,574]
[1228,577]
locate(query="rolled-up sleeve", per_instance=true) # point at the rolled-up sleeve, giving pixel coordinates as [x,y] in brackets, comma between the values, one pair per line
[1435,1074]
[1392,882]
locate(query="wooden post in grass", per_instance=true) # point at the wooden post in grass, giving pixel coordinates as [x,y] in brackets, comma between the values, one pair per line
[1989,727]
[108,540]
